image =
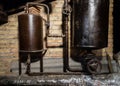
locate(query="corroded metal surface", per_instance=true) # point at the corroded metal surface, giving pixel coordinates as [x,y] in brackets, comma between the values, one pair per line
[90,23]
[30,32]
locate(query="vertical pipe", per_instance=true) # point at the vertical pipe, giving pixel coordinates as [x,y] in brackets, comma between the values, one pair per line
[66,54]
[65,41]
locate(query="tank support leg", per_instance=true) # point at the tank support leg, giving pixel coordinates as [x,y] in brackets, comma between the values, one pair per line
[28,64]
[20,66]
[41,64]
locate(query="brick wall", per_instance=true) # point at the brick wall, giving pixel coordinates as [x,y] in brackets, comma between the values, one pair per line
[8,43]
[9,36]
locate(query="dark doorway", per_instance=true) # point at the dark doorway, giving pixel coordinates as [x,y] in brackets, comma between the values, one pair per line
[116,26]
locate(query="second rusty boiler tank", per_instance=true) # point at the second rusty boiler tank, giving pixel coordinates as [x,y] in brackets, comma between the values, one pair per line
[30,32]
[90,24]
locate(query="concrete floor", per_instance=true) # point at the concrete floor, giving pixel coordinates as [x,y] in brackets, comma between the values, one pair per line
[56,65]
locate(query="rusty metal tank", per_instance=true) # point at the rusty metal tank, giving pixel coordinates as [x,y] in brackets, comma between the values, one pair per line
[89,24]
[30,32]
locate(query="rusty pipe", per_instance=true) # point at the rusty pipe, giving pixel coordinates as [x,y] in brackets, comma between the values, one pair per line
[66,41]
[39,4]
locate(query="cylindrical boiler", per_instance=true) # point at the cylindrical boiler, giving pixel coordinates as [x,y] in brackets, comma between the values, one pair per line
[30,32]
[89,24]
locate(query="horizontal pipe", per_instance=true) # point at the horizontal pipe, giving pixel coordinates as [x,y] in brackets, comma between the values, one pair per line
[63,73]
[73,70]
[60,46]
[54,73]
[56,35]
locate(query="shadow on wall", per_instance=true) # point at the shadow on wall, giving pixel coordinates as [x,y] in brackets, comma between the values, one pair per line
[11,7]
[18,5]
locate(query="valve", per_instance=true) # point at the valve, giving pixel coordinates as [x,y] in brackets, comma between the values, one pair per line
[90,63]
[94,66]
